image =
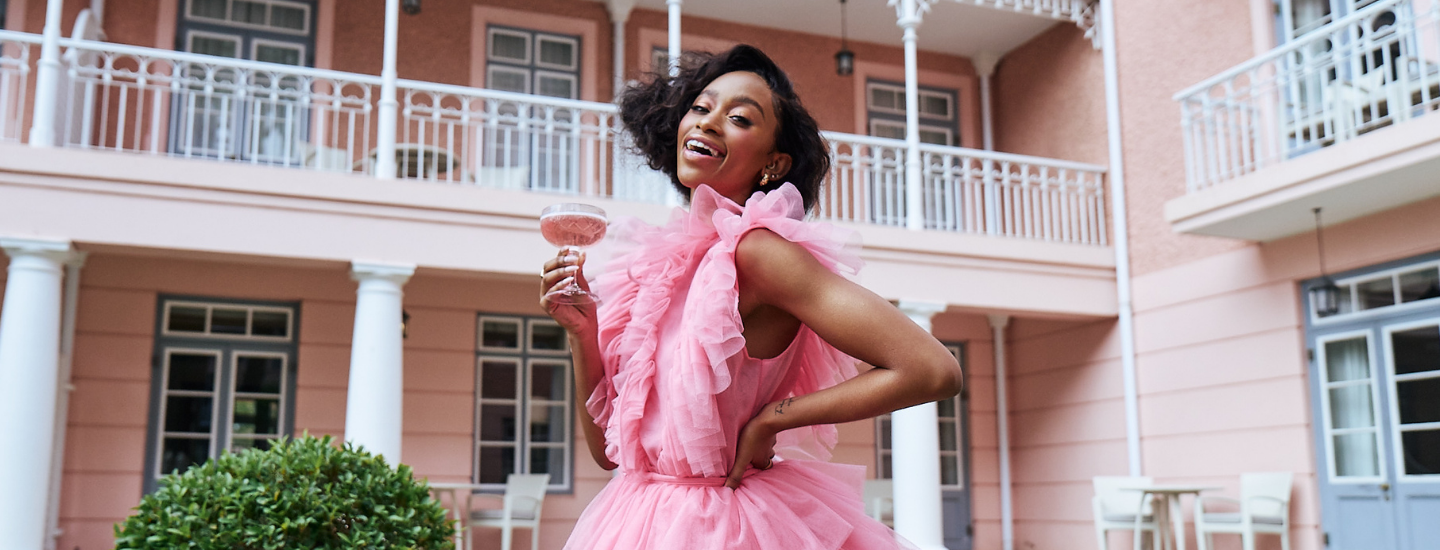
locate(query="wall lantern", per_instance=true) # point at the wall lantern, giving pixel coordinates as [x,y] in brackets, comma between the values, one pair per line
[1325,296]
[844,59]
[410,7]
[404,324]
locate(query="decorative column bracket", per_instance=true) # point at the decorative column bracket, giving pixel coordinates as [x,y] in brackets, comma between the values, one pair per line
[1080,12]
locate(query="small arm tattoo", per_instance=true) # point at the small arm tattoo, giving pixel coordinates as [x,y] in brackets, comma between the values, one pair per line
[780,407]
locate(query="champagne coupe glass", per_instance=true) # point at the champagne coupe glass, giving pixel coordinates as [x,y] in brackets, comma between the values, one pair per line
[572,226]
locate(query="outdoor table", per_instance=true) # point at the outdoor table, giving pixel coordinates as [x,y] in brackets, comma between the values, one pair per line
[459,494]
[1164,496]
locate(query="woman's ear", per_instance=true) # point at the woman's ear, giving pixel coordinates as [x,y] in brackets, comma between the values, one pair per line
[778,166]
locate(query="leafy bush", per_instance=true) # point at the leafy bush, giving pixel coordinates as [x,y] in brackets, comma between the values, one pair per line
[302,493]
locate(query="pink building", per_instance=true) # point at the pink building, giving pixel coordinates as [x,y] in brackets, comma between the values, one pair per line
[216,216]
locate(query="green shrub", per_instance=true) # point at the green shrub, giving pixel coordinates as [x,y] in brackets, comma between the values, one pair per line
[302,493]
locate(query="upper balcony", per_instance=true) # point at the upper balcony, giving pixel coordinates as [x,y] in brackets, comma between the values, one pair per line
[144,122]
[1334,119]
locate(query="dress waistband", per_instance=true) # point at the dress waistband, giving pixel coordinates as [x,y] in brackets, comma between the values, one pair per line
[652,477]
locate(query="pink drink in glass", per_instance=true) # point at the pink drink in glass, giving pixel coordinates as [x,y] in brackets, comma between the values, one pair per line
[572,226]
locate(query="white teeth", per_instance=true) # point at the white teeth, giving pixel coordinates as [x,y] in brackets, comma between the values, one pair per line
[697,146]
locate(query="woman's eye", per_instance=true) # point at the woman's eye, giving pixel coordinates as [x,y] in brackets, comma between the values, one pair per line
[741,120]
[699,109]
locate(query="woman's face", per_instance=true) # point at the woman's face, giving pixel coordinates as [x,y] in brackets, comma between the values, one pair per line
[728,137]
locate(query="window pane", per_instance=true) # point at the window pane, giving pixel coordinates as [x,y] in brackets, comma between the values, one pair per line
[283,55]
[547,423]
[237,445]
[509,46]
[496,463]
[1419,285]
[1347,360]
[545,336]
[186,319]
[180,454]
[1355,455]
[889,131]
[1416,350]
[948,439]
[228,321]
[882,98]
[500,334]
[548,460]
[258,374]
[188,414]
[884,432]
[1350,407]
[934,137]
[885,472]
[497,379]
[556,87]
[287,17]
[270,323]
[497,422]
[1422,452]
[1419,400]
[547,381]
[556,52]
[937,106]
[949,470]
[191,372]
[1346,295]
[213,9]
[257,416]
[216,46]
[947,408]
[1377,293]
[248,12]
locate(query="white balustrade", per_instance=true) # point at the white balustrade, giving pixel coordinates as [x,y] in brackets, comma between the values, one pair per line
[15,69]
[1370,69]
[1077,11]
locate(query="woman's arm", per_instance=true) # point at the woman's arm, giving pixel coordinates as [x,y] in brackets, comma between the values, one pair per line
[911,366]
[582,331]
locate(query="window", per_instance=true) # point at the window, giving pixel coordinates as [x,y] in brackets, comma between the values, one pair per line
[951,419]
[223,381]
[523,401]
[525,61]
[1392,290]
[269,15]
[886,106]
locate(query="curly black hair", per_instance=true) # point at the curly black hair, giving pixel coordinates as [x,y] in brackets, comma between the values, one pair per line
[651,112]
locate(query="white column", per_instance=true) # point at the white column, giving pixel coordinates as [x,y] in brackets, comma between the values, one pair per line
[985,65]
[1116,175]
[29,375]
[915,457]
[619,14]
[389,106]
[376,391]
[674,7]
[908,16]
[1002,428]
[47,80]
[71,300]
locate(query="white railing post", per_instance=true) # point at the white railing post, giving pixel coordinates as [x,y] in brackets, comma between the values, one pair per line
[909,14]
[47,79]
[673,7]
[915,452]
[385,154]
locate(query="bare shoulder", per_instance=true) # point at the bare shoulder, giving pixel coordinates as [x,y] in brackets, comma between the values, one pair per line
[774,266]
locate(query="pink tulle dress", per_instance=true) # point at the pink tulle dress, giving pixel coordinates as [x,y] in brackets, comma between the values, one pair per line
[679,386]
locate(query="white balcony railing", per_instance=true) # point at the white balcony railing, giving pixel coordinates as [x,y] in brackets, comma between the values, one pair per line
[159,102]
[1373,68]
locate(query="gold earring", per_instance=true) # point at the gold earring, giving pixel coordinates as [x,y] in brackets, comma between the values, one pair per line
[764,179]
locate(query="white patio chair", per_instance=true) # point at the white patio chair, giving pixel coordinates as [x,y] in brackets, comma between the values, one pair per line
[1118,509]
[1264,508]
[879,496]
[524,498]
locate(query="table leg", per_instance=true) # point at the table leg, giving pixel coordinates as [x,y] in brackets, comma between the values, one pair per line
[1161,507]
[1179,522]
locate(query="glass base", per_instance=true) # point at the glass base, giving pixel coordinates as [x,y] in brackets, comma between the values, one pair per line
[573,296]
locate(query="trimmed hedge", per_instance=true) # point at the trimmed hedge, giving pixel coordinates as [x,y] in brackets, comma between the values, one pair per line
[302,493]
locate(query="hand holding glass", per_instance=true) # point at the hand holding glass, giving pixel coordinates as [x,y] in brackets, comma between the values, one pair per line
[572,226]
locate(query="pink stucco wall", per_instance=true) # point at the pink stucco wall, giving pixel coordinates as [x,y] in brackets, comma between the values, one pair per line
[1048,98]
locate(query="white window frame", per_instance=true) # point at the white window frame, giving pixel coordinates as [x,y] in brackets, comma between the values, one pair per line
[190,41]
[1396,429]
[209,312]
[255,44]
[870,105]
[235,393]
[490,46]
[878,122]
[525,356]
[574,82]
[1353,282]
[490,71]
[166,392]
[574,52]
[1326,415]
[230,9]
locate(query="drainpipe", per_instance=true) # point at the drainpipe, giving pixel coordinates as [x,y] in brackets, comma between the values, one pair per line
[1002,428]
[1122,238]
[62,397]
[909,14]
[674,52]
[985,65]
[47,79]
[389,106]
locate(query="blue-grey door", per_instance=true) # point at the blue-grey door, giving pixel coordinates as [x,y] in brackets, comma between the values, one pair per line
[1376,399]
